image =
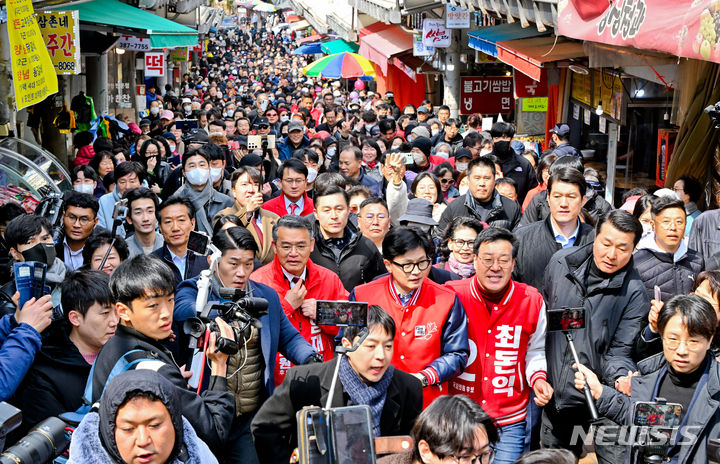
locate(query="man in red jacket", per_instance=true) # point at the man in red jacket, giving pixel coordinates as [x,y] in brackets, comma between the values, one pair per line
[299,284]
[293,199]
[506,327]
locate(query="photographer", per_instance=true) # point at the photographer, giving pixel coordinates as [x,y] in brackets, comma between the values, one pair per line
[252,368]
[365,377]
[685,373]
[143,291]
[128,175]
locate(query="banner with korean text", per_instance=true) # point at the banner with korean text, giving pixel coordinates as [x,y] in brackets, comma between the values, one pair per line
[61,32]
[33,72]
[486,95]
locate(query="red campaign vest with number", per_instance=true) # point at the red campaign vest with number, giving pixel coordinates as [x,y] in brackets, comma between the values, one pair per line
[418,328]
[498,335]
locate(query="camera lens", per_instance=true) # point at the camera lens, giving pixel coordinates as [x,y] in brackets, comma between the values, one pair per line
[44,442]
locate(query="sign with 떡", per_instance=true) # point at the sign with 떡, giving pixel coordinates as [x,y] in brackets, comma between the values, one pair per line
[419,48]
[155,64]
[61,32]
[435,34]
[135,44]
[33,73]
[456,17]
[486,95]
[535,104]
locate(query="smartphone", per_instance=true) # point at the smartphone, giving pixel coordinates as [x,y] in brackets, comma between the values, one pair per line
[565,319]
[651,413]
[256,141]
[39,272]
[341,313]
[409,158]
[198,242]
[658,294]
[121,209]
[353,439]
[24,280]
[186,125]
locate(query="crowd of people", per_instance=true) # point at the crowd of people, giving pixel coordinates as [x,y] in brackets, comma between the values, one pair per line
[460,240]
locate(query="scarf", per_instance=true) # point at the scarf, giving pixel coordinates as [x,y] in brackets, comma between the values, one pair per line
[199,200]
[56,273]
[461,269]
[361,393]
[371,164]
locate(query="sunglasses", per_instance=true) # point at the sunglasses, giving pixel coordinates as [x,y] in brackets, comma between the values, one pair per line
[446,181]
[263,126]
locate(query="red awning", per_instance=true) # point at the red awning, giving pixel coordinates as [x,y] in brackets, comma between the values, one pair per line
[379,42]
[293,19]
[410,65]
[312,38]
[529,55]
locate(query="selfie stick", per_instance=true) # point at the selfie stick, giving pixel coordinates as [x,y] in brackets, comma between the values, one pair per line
[117,221]
[340,350]
[588,396]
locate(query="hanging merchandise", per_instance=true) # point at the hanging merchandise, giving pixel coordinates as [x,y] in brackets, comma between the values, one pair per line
[84,109]
[65,120]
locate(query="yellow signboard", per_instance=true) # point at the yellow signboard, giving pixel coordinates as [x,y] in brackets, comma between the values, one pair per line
[32,69]
[61,32]
[535,104]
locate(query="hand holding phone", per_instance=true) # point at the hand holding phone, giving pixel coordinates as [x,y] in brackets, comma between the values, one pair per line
[37,313]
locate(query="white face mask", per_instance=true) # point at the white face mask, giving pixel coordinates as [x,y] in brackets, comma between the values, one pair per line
[312,175]
[463,189]
[216,174]
[84,188]
[230,113]
[331,151]
[461,167]
[154,110]
[198,176]
[418,158]
[172,147]
[434,131]
[187,108]
[284,118]
[442,154]
[216,133]
[485,151]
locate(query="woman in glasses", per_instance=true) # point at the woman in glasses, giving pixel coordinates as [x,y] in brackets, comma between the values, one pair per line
[456,246]
[686,373]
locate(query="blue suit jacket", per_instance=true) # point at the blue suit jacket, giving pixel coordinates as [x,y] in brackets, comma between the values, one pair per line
[277,333]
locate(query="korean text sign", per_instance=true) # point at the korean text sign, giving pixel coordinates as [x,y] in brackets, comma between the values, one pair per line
[435,34]
[61,32]
[33,72]
[486,95]
[155,64]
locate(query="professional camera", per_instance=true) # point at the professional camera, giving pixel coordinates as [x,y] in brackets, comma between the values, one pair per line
[240,312]
[51,207]
[713,450]
[42,444]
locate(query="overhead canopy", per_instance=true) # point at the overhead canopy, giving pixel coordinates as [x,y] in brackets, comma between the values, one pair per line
[528,55]
[298,25]
[485,39]
[163,33]
[379,42]
[308,49]
[311,38]
[411,65]
[339,46]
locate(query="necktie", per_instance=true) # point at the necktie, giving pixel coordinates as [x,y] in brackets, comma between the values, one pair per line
[293,207]
[294,281]
[258,231]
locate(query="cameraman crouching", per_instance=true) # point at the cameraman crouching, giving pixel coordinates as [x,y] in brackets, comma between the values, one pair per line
[143,291]
[685,373]
[251,370]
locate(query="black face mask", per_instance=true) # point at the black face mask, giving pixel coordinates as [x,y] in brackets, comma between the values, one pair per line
[42,253]
[501,147]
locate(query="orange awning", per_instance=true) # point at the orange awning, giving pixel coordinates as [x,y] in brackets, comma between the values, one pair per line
[379,42]
[529,55]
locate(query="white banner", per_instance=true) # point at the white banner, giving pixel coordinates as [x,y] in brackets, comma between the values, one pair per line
[135,44]
[456,17]
[155,64]
[435,34]
[419,49]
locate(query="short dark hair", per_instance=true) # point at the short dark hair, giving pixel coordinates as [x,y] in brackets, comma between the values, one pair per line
[99,239]
[82,289]
[569,176]
[400,240]
[357,152]
[691,187]
[128,167]
[102,143]
[331,190]
[140,193]
[234,238]
[444,107]
[713,278]
[97,159]
[195,152]
[502,129]
[87,171]
[293,164]
[471,139]
[374,201]
[570,161]
[292,221]
[547,456]
[10,211]
[22,229]
[375,316]
[544,163]
[387,124]
[359,190]
[448,426]
[413,187]
[457,223]
[226,219]
[254,174]
[481,161]
[495,234]
[506,181]
[660,204]
[642,204]
[622,221]
[452,122]
[142,276]
[697,314]
[175,201]
[80,200]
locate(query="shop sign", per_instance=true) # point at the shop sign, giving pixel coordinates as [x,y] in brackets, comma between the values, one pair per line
[120,94]
[535,104]
[61,33]
[134,44]
[456,17]
[486,95]
[527,87]
[33,73]
[155,64]
[179,54]
[435,33]
[688,29]
[419,48]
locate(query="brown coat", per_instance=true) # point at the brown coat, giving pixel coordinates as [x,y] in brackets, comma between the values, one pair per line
[268,220]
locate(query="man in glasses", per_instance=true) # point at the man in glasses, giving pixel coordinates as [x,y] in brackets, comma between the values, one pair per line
[432,342]
[79,222]
[293,199]
[506,323]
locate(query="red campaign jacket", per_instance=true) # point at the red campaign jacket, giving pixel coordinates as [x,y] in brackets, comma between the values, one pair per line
[431,333]
[277,206]
[321,284]
[507,349]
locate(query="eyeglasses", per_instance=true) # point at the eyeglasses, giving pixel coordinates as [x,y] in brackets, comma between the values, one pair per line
[294,181]
[503,261]
[446,181]
[482,458]
[674,344]
[679,223]
[83,220]
[464,243]
[372,217]
[408,268]
[300,248]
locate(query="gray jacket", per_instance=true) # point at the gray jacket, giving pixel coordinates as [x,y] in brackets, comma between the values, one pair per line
[135,248]
[705,234]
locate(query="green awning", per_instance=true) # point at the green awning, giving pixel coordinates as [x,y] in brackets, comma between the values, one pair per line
[339,46]
[163,33]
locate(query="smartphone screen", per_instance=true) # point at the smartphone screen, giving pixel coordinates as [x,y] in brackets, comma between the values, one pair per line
[342,313]
[353,438]
[565,319]
[198,242]
[658,293]
[648,413]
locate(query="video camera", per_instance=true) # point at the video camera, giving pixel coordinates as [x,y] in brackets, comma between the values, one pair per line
[51,207]
[658,423]
[42,444]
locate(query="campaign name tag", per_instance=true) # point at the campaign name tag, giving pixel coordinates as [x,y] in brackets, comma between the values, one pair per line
[419,330]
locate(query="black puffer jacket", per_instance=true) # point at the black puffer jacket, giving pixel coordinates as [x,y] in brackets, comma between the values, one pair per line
[538,208]
[660,268]
[537,245]
[359,261]
[501,212]
[615,311]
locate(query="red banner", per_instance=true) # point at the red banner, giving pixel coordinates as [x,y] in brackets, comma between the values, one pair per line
[527,87]
[687,28]
[486,95]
